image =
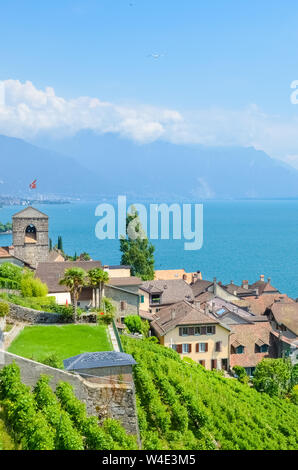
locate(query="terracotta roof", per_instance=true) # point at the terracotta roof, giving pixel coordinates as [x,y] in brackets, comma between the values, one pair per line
[172,291]
[286,314]
[181,313]
[248,335]
[125,281]
[167,274]
[200,286]
[145,315]
[263,287]
[258,305]
[5,251]
[233,288]
[51,273]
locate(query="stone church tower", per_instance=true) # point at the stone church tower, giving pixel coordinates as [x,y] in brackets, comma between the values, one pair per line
[30,236]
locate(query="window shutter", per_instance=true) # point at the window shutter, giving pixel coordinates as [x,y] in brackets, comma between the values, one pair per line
[218,346]
[206,347]
[203,362]
[214,364]
[189,348]
[180,331]
[197,347]
[179,348]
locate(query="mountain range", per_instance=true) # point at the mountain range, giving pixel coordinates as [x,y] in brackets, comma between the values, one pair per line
[94,165]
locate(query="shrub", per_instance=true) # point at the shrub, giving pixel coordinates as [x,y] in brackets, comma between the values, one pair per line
[11,272]
[4,309]
[241,374]
[53,360]
[33,287]
[133,323]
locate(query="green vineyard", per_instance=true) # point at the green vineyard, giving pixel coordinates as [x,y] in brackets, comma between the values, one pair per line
[44,420]
[183,406]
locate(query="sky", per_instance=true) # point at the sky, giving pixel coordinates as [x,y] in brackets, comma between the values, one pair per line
[215,72]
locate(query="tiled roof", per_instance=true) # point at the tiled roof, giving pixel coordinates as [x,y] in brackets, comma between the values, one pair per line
[181,313]
[51,273]
[286,314]
[5,251]
[259,304]
[200,286]
[172,291]
[30,213]
[97,360]
[248,335]
[125,281]
[167,274]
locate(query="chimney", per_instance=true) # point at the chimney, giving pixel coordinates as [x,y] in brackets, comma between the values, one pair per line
[269,280]
[219,283]
[262,277]
[184,277]
[257,292]
[245,284]
[173,314]
[231,282]
[197,304]
[213,306]
[206,309]
[214,280]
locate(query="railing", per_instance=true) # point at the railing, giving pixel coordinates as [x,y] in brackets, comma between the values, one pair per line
[117,336]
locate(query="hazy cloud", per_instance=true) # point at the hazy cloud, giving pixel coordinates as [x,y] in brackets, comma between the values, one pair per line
[26,111]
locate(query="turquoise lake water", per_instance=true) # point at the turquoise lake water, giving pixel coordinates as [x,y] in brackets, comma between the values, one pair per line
[242,239]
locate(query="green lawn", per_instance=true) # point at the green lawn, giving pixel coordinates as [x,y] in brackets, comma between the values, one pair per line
[38,342]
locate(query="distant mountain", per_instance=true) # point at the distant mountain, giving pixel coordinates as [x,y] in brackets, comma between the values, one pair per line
[91,165]
[22,162]
[162,169]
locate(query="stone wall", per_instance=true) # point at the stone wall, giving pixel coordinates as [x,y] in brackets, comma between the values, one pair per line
[24,314]
[102,400]
[126,303]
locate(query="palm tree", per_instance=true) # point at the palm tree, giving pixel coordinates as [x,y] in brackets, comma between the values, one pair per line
[75,280]
[96,279]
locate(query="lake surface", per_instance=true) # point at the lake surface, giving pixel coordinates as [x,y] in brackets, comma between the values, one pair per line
[242,239]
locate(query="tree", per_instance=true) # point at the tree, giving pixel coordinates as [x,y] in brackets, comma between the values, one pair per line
[60,243]
[96,279]
[50,244]
[75,280]
[136,249]
[273,376]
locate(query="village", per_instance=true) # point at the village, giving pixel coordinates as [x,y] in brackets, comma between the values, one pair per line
[218,326]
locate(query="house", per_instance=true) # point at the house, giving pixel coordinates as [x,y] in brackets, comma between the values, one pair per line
[157,294]
[167,274]
[213,288]
[283,317]
[7,256]
[123,291]
[250,342]
[192,333]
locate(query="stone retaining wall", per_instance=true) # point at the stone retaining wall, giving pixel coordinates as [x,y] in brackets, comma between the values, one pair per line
[102,400]
[24,314]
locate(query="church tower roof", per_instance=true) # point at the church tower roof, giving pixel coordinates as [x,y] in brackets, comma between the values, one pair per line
[30,213]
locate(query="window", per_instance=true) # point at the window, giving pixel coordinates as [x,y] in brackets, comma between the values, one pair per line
[174,346]
[201,347]
[155,298]
[202,362]
[262,349]
[186,348]
[218,346]
[211,330]
[122,305]
[197,331]
[239,350]
[183,331]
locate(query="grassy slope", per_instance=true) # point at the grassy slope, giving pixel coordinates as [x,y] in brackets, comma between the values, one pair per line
[38,342]
[238,417]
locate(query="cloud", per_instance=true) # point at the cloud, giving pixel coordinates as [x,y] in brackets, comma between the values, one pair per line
[26,112]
